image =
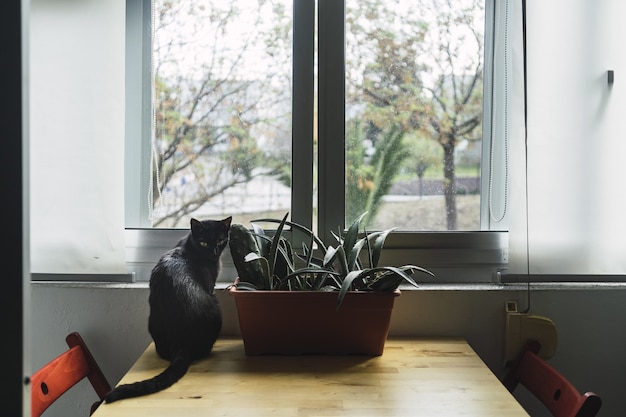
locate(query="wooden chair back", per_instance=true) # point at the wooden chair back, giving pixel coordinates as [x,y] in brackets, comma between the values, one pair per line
[551,387]
[55,378]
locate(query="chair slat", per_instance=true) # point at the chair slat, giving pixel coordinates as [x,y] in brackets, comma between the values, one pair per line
[550,386]
[55,378]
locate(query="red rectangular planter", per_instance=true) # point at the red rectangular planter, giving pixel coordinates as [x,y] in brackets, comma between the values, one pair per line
[308,322]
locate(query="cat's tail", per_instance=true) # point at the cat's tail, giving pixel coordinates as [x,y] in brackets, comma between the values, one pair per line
[176,370]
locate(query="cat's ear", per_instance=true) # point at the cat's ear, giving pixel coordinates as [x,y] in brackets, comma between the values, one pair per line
[195,224]
[226,222]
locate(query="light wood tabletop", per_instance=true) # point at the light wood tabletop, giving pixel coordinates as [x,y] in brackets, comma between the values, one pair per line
[413,377]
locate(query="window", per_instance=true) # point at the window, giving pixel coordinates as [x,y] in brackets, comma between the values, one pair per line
[324,109]
[413,112]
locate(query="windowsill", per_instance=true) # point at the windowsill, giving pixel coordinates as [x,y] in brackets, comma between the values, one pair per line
[92,284]
[222,286]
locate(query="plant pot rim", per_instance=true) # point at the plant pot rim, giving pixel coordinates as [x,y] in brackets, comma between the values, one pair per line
[233,291]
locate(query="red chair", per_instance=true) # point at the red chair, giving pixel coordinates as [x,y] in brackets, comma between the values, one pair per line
[549,385]
[65,371]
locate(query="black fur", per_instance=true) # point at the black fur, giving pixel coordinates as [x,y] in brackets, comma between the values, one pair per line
[185,316]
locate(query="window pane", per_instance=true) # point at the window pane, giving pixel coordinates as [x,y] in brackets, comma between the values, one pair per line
[413,112]
[222,110]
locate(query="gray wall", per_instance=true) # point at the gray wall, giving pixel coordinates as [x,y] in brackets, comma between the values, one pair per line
[590,322]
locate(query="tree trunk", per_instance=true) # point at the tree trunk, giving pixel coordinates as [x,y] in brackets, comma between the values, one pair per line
[449,183]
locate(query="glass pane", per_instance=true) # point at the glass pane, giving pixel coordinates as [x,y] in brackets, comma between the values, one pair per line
[413,113]
[222,110]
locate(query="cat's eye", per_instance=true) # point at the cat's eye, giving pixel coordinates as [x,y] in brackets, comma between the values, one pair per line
[204,244]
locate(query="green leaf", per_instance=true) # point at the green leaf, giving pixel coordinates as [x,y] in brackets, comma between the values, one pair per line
[387,274]
[386,282]
[344,269]
[337,237]
[275,245]
[329,257]
[311,261]
[377,247]
[336,255]
[413,268]
[346,286]
[319,279]
[307,254]
[353,255]
[263,243]
[352,234]
[260,237]
[287,254]
[267,277]
[255,257]
[246,286]
[299,227]
[252,256]
[312,278]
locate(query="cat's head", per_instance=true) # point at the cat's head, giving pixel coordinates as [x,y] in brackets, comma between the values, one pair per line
[210,236]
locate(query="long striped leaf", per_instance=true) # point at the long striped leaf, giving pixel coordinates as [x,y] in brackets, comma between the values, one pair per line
[329,257]
[287,254]
[339,256]
[260,237]
[265,278]
[347,285]
[299,227]
[246,286]
[276,244]
[309,255]
[353,255]
[352,234]
[387,274]
[377,247]
[313,278]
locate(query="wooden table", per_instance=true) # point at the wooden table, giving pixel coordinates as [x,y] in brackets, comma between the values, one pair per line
[423,377]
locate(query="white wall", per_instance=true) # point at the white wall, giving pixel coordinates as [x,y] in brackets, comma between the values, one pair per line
[590,324]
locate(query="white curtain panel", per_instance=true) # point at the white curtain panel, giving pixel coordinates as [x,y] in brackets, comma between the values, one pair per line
[77,136]
[569,196]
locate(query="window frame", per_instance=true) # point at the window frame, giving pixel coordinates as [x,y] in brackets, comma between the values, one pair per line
[138,111]
[454,256]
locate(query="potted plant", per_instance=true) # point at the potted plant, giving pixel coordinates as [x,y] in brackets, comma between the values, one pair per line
[298,303]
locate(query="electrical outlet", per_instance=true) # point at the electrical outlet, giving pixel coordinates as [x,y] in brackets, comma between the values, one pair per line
[511,306]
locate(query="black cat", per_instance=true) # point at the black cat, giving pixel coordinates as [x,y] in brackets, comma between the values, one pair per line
[185,316]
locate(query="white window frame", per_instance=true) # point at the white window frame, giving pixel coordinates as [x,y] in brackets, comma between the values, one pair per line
[455,257]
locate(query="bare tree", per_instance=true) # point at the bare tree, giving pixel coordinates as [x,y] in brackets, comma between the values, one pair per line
[419,65]
[223,114]
[456,94]
[217,123]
